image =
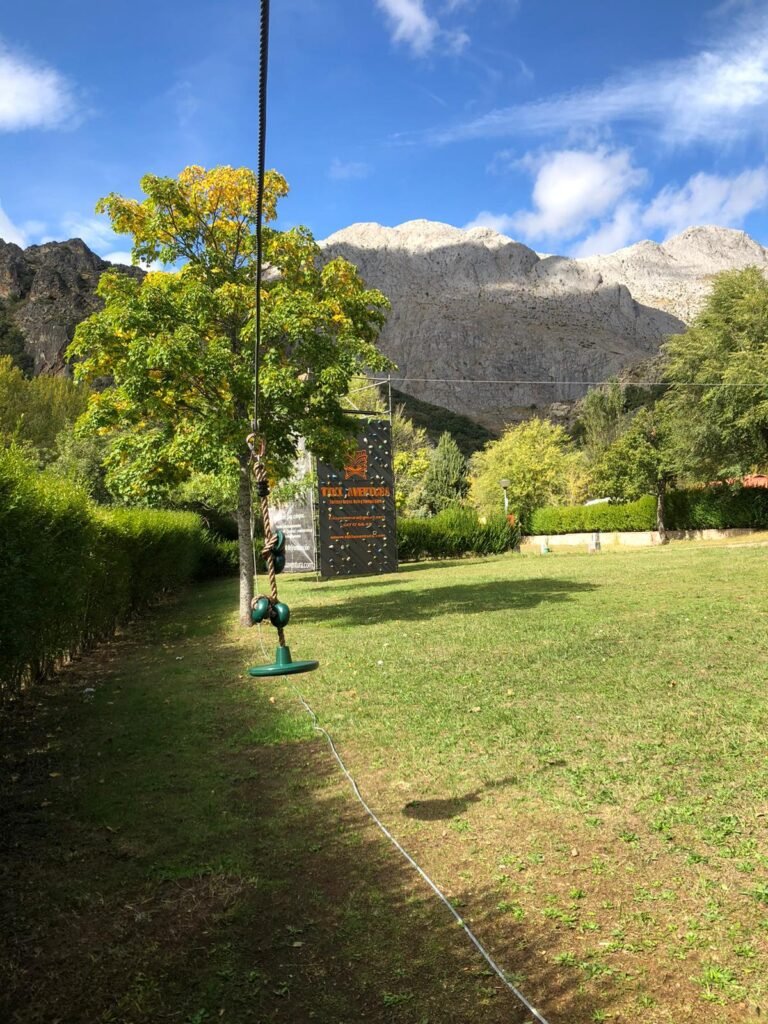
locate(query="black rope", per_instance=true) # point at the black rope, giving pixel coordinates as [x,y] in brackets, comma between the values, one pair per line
[260,173]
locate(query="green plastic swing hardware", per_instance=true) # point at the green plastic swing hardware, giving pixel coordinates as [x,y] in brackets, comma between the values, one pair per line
[260,609]
[283,665]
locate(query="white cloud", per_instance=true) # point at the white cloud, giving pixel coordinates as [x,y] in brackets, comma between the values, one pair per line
[708,199]
[574,187]
[622,228]
[341,170]
[716,95]
[96,232]
[9,232]
[411,24]
[32,94]
[123,258]
[588,202]
[501,222]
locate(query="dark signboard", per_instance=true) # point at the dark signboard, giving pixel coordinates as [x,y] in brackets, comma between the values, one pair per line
[357,508]
[297,521]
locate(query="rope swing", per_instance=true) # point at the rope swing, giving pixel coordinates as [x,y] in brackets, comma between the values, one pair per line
[267,607]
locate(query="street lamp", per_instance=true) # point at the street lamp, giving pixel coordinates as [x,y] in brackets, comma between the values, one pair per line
[504,484]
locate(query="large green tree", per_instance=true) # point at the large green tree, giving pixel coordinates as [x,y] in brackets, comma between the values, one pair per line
[540,462]
[641,461]
[718,372]
[178,348]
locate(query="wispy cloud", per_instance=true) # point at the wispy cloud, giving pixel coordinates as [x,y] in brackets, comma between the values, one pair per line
[709,199]
[715,95]
[410,24]
[348,170]
[10,232]
[32,94]
[421,32]
[590,202]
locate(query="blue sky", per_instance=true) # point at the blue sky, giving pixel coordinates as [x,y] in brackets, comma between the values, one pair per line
[575,127]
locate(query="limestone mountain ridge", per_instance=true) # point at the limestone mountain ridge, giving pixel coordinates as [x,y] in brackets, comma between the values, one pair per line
[472,306]
[477,305]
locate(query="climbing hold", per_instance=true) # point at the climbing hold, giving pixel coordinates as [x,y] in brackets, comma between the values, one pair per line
[279,563]
[279,614]
[260,607]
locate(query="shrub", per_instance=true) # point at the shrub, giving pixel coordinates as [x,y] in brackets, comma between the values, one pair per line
[453,533]
[71,571]
[636,515]
[718,508]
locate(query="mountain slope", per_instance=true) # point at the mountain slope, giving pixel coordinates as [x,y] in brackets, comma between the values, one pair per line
[476,305]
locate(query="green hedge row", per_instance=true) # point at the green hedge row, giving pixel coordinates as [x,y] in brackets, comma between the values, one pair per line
[636,515]
[453,533]
[71,571]
[718,508]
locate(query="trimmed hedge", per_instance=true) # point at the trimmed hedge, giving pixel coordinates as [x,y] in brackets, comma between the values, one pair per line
[71,571]
[718,508]
[711,508]
[635,515]
[453,533]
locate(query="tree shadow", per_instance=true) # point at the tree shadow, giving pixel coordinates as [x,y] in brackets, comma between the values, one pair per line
[226,873]
[410,604]
[325,583]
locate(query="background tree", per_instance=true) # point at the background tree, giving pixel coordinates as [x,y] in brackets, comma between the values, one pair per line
[722,431]
[641,461]
[446,482]
[411,452]
[539,460]
[601,418]
[179,347]
[34,413]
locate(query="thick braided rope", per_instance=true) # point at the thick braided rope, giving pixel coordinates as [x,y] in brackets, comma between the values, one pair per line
[262,486]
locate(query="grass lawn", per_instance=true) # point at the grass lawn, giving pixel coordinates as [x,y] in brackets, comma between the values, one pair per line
[574,747]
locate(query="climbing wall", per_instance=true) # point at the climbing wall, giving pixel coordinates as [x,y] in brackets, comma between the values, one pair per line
[356,507]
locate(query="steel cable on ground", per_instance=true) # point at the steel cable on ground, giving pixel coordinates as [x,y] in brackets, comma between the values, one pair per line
[536,1014]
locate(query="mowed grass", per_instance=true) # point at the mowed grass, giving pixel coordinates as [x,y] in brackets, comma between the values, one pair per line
[573,747]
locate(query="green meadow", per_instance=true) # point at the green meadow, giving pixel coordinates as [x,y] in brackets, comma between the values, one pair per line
[573,747]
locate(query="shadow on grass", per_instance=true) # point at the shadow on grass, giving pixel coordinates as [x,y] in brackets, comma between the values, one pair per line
[163,866]
[440,809]
[471,598]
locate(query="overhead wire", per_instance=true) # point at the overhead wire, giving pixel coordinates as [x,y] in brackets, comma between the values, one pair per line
[378,381]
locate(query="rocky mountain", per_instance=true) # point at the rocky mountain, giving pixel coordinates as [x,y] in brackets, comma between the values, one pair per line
[476,305]
[49,289]
[676,276]
[468,305]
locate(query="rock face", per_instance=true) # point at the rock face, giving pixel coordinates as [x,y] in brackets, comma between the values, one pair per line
[472,305]
[49,289]
[676,276]
[476,305]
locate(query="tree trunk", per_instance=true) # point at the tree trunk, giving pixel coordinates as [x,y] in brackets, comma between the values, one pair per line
[245,545]
[661,495]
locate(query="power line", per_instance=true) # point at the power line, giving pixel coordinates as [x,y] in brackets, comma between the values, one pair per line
[562,383]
